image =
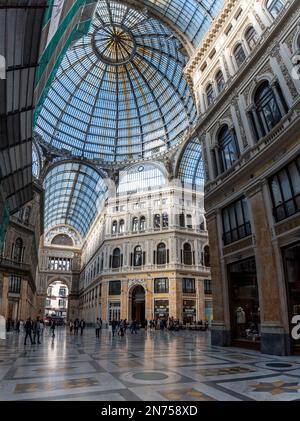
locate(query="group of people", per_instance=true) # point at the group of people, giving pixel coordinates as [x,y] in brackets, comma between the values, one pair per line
[76,325]
[119,327]
[36,327]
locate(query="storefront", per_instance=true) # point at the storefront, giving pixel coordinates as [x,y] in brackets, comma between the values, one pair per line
[114,310]
[244,303]
[189,311]
[291,260]
[161,309]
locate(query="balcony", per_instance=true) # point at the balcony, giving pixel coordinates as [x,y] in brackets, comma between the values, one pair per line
[14,265]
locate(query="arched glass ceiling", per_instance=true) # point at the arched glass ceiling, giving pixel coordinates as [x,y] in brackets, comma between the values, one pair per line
[191,168]
[141,178]
[192,17]
[73,196]
[119,93]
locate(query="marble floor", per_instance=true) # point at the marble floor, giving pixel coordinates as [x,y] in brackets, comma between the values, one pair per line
[161,366]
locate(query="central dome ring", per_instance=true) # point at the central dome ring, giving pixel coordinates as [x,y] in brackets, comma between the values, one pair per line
[113,44]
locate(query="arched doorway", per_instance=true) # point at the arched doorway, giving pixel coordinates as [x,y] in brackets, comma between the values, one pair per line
[138,304]
[56,305]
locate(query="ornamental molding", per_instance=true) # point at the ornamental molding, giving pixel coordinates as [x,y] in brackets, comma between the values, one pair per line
[136,282]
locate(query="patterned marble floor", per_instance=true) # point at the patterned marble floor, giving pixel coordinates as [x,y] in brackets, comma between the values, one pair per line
[162,366]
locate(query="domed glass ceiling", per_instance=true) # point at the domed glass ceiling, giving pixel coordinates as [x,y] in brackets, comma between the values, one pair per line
[119,94]
[191,168]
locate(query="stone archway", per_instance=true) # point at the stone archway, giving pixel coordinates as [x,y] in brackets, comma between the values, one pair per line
[137,302]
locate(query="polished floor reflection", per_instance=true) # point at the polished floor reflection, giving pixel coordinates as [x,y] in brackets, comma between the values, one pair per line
[177,366]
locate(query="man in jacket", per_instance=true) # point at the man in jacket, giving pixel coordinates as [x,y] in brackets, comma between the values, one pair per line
[36,330]
[28,330]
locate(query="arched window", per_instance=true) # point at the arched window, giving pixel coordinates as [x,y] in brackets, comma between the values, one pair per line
[142,223]
[114,227]
[121,226]
[135,224]
[239,55]
[228,148]
[161,254]
[251,37]
[275,7]
[206,256]
[138,256]
[187,254]
[165,220]
[267,108]
[116,258]
[157,220]
[18,251]
[220,81]
[210,94]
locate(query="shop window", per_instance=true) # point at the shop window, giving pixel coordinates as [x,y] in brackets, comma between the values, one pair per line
[114,311]
[292,274]
[114,288]
[285,190]
[244,301]
[189,311]
[161,309]
[161,285]
[188,286]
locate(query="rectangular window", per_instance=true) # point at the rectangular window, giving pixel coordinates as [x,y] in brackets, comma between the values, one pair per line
[48,303]
[236,222]
[285,190]
[62,292]
[14,284]
[161,285]
[207,286]
[115,288]
[188,286]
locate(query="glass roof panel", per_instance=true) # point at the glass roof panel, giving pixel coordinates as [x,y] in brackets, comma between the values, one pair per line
[141,178]
[119,93]
[191,168]
[192,17]
[73,196]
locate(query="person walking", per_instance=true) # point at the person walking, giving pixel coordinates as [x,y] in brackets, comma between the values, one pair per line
[36,330]
[18,326]
[71,325]
[98,326]
[76,326]
[114,325]
[28,330]
[53,325]
[82,326]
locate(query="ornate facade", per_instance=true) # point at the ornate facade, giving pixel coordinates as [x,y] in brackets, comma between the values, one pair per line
[246,81]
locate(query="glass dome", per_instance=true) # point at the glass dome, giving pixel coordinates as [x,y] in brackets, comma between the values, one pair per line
[119,94]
